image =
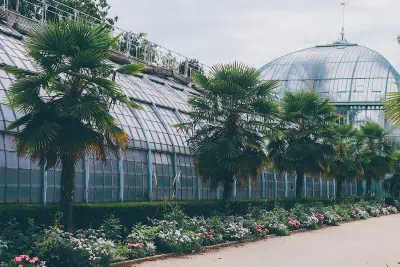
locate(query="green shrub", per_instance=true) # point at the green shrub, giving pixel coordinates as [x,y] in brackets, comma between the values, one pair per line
[18,239]
[91,215]
[140,242]
[143,233]
[174,230]
[112,229]
[85,248]
[178,241]
[3,249]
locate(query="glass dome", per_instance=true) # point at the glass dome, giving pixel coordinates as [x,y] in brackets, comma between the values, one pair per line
[342,72]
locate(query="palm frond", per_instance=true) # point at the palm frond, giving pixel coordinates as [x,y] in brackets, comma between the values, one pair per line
[17,72]
[130,69]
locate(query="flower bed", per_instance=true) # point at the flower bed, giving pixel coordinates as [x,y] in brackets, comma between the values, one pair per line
[178,233]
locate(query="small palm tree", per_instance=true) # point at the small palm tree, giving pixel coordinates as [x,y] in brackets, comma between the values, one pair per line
[229,119]
[306,139]
[375,153]
[345,163]
[67,104]
[392,185]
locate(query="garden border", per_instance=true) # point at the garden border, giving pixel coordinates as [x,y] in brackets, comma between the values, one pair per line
[130,263]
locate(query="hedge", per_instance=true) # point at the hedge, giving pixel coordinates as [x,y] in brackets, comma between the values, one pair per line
[130,213]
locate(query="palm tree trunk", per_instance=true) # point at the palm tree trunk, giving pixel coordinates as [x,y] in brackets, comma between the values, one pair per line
[369,185]
[67,191]
[228,187]
[299,183]
[339,189]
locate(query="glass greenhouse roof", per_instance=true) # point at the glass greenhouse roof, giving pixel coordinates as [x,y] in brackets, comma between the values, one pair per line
[164,100]
[341,72]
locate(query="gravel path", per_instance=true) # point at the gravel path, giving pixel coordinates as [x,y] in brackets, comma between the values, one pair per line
[374,242]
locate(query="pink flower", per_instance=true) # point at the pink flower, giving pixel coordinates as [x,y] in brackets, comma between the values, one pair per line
[320,217]
[17,259]
[20,265]
[136,245]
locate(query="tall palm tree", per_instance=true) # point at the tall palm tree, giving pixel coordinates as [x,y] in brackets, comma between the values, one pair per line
[306,140]
[234,111]
[375,153]
[66,105]
[345,163]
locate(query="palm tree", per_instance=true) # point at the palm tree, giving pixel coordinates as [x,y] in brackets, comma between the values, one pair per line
[66,105]
[306,139]
[375,153]
[229,119]
[345,163]
[392,185]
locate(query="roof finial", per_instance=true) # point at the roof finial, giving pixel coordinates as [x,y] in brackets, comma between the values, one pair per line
[344,4]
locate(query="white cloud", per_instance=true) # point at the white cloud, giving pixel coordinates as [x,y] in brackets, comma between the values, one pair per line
[258,31]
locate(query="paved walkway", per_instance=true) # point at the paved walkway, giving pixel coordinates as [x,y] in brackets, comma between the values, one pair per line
[374,242]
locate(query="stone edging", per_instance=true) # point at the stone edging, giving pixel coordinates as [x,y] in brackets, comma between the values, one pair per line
[130,263]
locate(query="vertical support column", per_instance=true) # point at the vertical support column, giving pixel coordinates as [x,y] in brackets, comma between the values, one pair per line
[150,173]
[351,188]
[86,174]
[313,187]
[234,193]
[286,186]
[355,187]
[199,187]
[121,176]
[275,186]
[44,10]
[345,188]
[327,189]
[305,185]
[218,196]
[263,184]
[364,186]
[334,188]
[17,4]
[186,68]
[249,187]
[320,187]
[128,43]
[43,173]
[176,174]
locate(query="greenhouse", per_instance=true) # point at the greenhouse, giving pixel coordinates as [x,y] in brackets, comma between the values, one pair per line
[354,78]
[157,164]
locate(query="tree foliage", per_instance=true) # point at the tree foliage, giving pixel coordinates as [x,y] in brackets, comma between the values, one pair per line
[306,139]
[235,110]
[345,163]
[375,153]
[66,106]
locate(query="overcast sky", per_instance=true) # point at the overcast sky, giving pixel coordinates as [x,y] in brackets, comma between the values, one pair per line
[258,31]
